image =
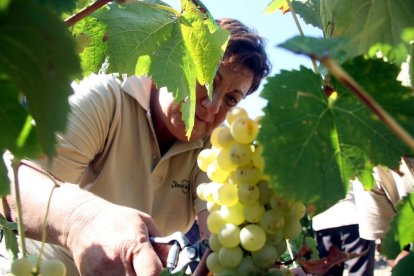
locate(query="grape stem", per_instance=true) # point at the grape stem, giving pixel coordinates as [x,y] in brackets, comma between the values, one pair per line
[358,91]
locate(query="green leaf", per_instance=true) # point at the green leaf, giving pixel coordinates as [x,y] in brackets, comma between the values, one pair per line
[276,5]
[405,266]
[93,56]
[175,50]
[38,54]
[401,231]
[369,23]
[10,238]
[313,46]
[316,146]
[60,6]
[309,11]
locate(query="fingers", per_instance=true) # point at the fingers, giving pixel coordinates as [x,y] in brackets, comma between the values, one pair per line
[146,261]
[161,249]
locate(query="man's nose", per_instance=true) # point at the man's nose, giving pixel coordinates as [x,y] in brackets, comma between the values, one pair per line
[212,105]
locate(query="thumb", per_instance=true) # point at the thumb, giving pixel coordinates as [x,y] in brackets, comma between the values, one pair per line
[146,261]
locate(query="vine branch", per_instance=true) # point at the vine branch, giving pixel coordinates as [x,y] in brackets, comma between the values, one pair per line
[350,83]
[86,12]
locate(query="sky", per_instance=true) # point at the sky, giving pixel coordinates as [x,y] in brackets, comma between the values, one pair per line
[276,28]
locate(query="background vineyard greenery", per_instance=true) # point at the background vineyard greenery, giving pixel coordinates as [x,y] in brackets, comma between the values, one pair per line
[312,145]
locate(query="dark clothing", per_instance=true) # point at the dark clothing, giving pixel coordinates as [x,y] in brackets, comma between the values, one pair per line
[347,239]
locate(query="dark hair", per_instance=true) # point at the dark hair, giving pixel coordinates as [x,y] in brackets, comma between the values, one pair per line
[247,48]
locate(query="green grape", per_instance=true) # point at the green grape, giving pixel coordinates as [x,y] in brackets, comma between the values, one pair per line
[275,238]
[272,221]
[229,271]
[248,193]
[283,271]
[291,229]
[244,130]
[230,256]
[253,212]
[280,204]
[247,267]
[22,267]
[212,206]
[240,154]
[235,113]
[213,263]
[214,242]
[200,189]
[227,195]
[233,214]
[216,174]
[229,235]
[82,41]
[52,268]
[215,222]
[209,191]
[257,158]
[252,237]
[265,191]
[281,247]
[265,257]
[297,210]
[224,160]
[221,138]
[247,174]
[205,158]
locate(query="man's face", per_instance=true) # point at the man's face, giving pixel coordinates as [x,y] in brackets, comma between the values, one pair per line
[231,85]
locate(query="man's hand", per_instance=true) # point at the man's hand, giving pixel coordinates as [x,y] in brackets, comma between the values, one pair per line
[104,238]
[114,240]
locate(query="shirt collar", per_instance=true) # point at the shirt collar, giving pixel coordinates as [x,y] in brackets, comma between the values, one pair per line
[139,88]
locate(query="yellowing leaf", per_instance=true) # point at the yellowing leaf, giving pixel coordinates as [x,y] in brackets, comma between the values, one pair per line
[276,5]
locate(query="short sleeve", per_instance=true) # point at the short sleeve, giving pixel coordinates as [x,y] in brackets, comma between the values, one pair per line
[92,107]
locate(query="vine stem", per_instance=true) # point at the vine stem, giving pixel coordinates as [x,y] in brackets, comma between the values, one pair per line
[295,18]
[349,82]
[39,257]
[15,165]
[86,11]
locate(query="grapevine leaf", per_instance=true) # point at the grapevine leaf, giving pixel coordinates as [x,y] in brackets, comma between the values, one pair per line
[276,5]
[38,54]
[401,231]
[309,10]
[175,50]
[60,6]
[4,4]
[369,23]
[322,144]
[10,237]
[93,56]
[18,134]
[405,266]
[313,46]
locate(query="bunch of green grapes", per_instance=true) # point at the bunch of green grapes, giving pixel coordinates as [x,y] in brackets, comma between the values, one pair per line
[26,266]
[249,223]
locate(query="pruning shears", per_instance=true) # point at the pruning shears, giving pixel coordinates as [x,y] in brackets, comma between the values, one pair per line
[182,252]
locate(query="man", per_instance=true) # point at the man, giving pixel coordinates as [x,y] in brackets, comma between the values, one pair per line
[133,168]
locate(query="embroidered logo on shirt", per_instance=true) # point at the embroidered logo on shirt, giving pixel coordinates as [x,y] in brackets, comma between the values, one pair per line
[184,185]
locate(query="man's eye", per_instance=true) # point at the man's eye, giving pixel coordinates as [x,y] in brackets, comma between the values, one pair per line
[231,101]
